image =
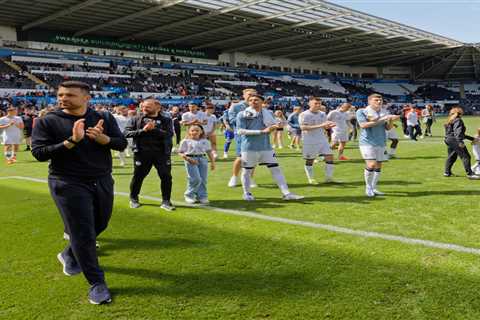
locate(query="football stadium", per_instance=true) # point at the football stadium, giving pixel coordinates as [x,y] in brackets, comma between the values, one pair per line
[235,159]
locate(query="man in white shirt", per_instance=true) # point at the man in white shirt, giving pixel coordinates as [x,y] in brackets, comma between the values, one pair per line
[193,116]
[12,127]
[413,124]
[122,120]
[340,132]
[313,123]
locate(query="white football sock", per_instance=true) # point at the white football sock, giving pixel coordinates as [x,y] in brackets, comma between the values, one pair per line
[368,177]
[246,179]
[309,172]
[392,151]
[278,176]
[376,177]
[329,170]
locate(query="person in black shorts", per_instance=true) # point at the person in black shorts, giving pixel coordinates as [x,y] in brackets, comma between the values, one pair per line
[27,117]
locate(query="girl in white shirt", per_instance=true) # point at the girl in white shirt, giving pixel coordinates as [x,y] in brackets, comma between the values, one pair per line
[194,149]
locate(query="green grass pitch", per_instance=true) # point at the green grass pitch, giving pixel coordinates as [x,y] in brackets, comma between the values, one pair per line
[200,264]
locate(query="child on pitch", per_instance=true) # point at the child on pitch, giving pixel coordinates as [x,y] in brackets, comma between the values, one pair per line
[340,131]
[278,134]
[313,123]
[254,124]
[476,153]
[374,122]
[294,127]
[210,128]
[194,150]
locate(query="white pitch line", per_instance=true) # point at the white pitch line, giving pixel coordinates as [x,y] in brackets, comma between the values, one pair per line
[327,227]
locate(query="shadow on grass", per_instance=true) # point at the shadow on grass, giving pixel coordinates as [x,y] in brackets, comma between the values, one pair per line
[152,243]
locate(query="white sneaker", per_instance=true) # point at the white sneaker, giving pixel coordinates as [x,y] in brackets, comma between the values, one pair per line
[233,182]
[174,149]
[378,193]
[329,180]
[215,155]
[280,147]
[248,197]
[292,196]
[369,192]
[253,184]
[274,146]
[225,155]
[312,182]
[473,177]
[204,201]
[66,236]
[189,200]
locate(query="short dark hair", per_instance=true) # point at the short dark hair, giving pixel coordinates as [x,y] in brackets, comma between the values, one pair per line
[312,98]
[257,95]
[76,84]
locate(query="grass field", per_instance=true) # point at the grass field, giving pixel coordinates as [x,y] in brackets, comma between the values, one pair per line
[197,263]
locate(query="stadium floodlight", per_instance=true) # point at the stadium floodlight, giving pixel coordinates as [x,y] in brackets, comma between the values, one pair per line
[132,16]
[210,14]
[59,14]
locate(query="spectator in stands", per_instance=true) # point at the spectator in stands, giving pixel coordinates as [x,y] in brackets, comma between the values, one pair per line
[428,116]
[294,128]
[454,139]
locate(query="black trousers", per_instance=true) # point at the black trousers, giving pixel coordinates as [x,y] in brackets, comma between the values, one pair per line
[178,133]
[143,162]
[414,131]
[455,151]
[428,127]
[86,208]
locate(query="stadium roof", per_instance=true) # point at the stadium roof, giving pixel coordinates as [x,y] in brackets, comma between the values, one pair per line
[314,30]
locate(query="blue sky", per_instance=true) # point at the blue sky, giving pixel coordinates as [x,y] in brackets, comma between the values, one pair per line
[457,19]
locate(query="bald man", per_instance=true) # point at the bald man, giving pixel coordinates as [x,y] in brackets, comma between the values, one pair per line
[152,134]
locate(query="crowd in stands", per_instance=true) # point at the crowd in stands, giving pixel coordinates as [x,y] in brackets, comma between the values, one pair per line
[112,80]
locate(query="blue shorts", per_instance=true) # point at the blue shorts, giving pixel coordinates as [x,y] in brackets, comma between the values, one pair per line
[229,135]
[238,145]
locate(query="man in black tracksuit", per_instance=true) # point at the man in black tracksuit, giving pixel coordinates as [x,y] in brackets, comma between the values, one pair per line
[152,145]
[77,141]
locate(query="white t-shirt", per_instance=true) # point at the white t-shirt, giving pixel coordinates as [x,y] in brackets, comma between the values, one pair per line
[194,147]
[310,118]
[12,134]
[190,116]
[340,118]
[210,126]
[412,118]
[121,121]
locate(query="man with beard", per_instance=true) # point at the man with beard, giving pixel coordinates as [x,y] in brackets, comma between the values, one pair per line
[77,140]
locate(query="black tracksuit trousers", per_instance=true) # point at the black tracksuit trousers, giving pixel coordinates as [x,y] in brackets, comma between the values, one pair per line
[86,207]
[454,151]
[143,163]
